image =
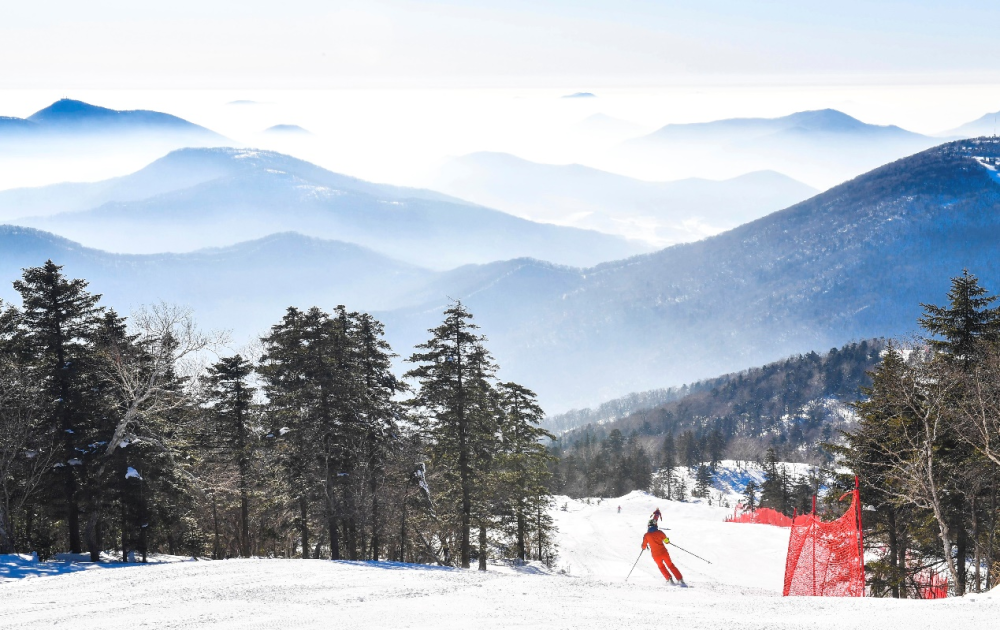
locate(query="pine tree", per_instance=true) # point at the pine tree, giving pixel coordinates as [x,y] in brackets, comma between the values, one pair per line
[716,446]
[379,411]
[750,496]
[682,488]
[234,429]
[968,318]
[452,371]
[669,462]
[285,370]
[485,419]
[688,448]
[524,459]
[774,490]
[59,319]
[967,328]
[703,481]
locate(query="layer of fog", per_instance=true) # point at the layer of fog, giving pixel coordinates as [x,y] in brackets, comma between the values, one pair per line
[403,136]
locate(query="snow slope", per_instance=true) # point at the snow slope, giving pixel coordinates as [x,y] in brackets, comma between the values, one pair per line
[741,589]
[597,542]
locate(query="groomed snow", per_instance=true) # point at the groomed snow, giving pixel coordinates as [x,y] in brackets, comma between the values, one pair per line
[597,542]
[741,589]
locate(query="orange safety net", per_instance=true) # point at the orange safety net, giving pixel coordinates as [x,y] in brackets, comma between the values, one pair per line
[930,585]
[827,559]
[764,516]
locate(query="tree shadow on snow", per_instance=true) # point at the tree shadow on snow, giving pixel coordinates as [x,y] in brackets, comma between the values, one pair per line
[392,565]
[17,567]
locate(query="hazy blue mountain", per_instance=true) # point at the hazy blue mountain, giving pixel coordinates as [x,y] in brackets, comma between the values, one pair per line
[661,212]
[68,117]
[199,198]
[293,130]
[615,409]
[180,170]
[986,125]
[821,148]
[11,127]
[245,287]
[820,122]
[73,140]
[854,262]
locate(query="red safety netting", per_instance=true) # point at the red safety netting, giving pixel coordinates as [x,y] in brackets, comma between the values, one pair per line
[764,516]
[930,585]
[826,559]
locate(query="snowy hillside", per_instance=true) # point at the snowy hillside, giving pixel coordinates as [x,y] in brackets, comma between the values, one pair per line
[586,589]
[731,478]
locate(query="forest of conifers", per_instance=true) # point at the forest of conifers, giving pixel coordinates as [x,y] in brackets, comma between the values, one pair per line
[144,434]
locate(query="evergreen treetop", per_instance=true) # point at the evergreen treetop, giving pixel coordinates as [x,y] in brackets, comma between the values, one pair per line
[967,318]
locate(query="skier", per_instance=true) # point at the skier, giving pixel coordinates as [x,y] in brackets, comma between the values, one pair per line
[657,516]
[657,542]
[619,509]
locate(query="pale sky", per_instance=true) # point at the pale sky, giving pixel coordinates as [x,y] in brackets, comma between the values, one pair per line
[493,43]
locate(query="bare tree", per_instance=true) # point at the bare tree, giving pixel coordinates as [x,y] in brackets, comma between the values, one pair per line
[920,393]
[155,369]
[152,370]
[978,404]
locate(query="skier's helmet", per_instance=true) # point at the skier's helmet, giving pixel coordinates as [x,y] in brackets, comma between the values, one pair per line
[651,526]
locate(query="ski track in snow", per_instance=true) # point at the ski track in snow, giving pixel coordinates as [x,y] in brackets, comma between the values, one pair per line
[741,589]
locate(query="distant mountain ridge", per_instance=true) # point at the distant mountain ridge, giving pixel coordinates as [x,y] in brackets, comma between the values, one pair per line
[197,198]
[853,262]
[822,147]
[288,129]
[823,121]
[182,169]
[662,213]
[68,116]
[986,125]
[72,140]
[246,286]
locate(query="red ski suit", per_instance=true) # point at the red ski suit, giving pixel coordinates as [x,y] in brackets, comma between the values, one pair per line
[654,540]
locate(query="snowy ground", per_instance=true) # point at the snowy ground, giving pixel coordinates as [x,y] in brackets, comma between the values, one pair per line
[740,589]
[597,542]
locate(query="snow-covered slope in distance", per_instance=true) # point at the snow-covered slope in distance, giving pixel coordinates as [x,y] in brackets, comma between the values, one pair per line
[731,478]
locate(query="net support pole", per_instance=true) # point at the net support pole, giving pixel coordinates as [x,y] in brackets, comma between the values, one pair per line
[814,545]
[861,533]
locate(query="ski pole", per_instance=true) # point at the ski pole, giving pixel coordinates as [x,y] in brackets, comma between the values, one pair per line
[633,566]
[688,552]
